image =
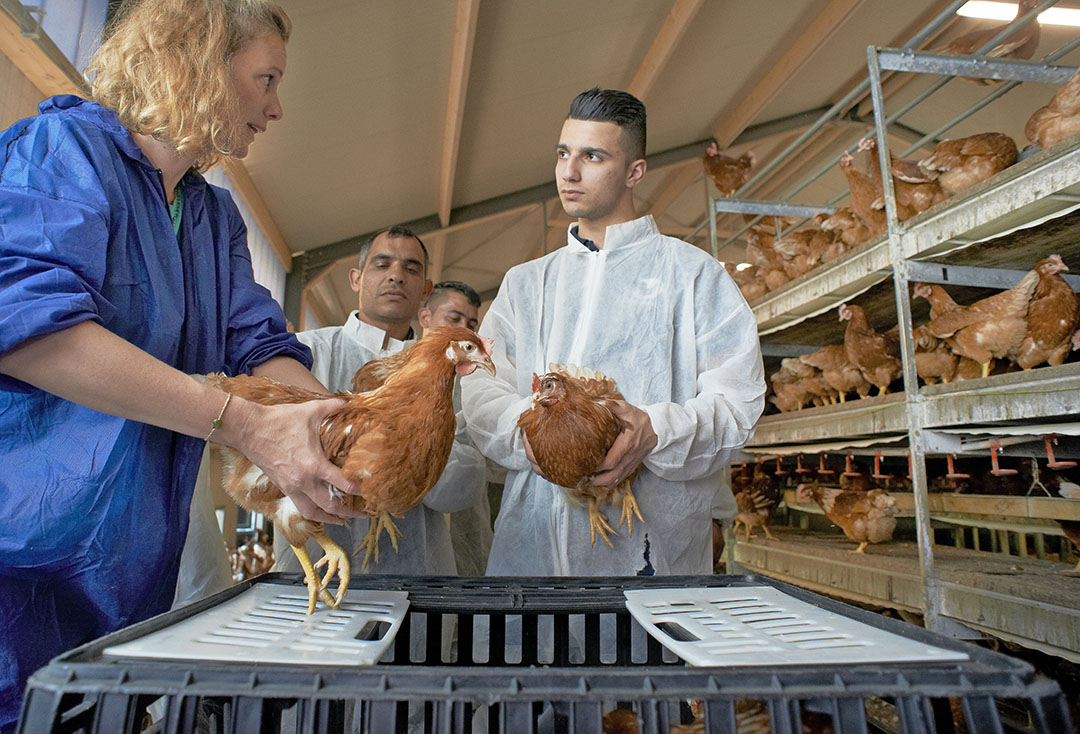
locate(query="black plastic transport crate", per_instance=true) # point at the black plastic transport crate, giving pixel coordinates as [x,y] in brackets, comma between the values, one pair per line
[550,682]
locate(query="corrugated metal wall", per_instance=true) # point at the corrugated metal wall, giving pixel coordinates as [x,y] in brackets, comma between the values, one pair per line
[268,270]
[75,27]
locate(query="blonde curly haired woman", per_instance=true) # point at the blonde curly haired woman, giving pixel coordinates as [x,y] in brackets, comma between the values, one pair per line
[121,272]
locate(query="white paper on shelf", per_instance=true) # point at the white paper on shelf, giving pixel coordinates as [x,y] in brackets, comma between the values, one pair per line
[269,623]
[760,625]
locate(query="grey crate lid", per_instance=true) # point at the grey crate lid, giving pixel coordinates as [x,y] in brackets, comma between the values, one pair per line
[269,623]
[760,625]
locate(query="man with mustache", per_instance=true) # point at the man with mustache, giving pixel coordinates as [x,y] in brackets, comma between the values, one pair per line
[391,283]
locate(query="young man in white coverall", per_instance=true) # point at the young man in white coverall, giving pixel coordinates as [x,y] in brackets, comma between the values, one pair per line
[391,283]
[660,317]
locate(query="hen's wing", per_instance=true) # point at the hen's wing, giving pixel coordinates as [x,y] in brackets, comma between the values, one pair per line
[949,323]
[881,499]
[374,373]
[263,390]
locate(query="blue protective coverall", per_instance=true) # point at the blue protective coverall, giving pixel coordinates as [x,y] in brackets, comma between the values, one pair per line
[94,508]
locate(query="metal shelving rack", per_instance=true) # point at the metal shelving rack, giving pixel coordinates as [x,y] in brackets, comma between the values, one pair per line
[934,419]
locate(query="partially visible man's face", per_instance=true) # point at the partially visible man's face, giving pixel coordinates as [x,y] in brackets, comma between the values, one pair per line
[452,309]
[591,168]
[392,283]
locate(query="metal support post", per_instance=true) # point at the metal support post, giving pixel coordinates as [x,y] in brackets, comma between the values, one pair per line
[979,67]
[769,208]
[932,603]
[940,273]
[833,112]
[917,100]
[712,221]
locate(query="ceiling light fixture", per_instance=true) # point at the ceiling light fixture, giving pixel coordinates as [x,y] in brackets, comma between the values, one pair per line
[991,10]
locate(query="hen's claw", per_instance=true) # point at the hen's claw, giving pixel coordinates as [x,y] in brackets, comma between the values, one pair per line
[370,544]
[387,524]
[316,590]
[597,522]
[629,509]
[337,564]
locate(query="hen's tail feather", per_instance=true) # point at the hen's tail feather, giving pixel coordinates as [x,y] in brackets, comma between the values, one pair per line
[573,370]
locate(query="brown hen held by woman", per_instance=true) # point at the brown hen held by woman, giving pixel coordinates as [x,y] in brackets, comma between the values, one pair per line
[394,440]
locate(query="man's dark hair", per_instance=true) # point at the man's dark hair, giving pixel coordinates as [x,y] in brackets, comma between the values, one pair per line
[464,289]
[612,105]
[396,231]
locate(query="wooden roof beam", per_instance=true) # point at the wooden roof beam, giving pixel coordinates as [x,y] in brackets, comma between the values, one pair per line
[728,128]
[38,58]
[799,52]
[683,174]
[248,192]
[674,185]
[436,246]
[324,305]
[460,61]
[34,54]
[663,46]
[891,86]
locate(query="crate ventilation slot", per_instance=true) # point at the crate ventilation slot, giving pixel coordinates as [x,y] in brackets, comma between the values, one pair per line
[760,625]
[268,623]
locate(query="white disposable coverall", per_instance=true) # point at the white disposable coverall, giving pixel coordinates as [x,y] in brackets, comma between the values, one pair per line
[667,323]
[425,548]
[204,562]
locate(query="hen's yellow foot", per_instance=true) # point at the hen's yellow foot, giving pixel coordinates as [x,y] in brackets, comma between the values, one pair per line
[337,563]
[597,522]
[370,544]
[315,589]
[629,509]
[387,523]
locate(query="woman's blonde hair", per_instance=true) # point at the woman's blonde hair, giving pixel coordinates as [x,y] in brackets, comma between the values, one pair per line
[163,66]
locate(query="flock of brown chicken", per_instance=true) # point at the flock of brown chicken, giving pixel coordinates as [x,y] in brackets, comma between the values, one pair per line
[252,558]
[858,503]
[1034,322]
[952,167]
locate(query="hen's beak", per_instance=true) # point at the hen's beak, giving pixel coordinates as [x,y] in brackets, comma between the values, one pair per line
[484,361]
